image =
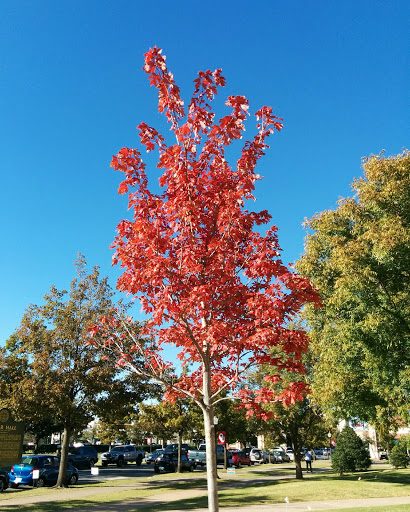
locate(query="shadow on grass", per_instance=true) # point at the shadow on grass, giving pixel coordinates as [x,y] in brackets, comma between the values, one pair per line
[384,476]
[53,506]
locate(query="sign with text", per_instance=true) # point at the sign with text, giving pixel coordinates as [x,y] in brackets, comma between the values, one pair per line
[11,439]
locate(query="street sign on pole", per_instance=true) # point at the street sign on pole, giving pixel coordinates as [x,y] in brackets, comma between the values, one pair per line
[222,438]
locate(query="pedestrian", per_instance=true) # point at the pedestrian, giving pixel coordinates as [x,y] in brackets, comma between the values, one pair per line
[308,460]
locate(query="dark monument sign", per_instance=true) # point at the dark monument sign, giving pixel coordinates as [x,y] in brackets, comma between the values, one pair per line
[11,439]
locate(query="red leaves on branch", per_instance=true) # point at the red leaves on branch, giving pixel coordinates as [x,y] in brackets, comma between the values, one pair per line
[212,284]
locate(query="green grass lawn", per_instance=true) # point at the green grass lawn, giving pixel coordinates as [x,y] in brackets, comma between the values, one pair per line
[388,508]
[235,490]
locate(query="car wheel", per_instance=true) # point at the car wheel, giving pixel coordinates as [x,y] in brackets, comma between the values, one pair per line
[73,479]
[14,486]
[104,463]
[156,470]
[191,468]
[91,463]
[2,485]
[120,462]
[138,462]
[41,482]
[239,464]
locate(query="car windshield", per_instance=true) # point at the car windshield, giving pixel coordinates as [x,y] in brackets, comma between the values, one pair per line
[117,449]
[29,461]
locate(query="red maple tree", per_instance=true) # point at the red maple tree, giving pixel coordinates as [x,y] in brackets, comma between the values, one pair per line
[210,282]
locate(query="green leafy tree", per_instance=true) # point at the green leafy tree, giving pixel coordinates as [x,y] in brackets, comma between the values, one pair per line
[399,456]
[299,425]
[167,420]
[350,453]
[358,256]
[65,379]
[39,420]
[232,420]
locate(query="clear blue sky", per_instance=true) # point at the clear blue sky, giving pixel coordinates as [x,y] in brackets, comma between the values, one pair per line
[73,92]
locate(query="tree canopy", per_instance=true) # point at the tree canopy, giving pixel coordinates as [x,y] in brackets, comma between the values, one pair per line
[53,374]
[358,256]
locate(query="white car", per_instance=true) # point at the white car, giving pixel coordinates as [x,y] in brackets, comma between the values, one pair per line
[256,455]
[291,454]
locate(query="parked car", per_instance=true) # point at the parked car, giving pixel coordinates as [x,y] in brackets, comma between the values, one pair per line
[255,454]
[168,462]
[173,447]
[4,480]
[384,455]
[82,456]
[269,457]
[281,456]
[319,454]
[290,453]
[150,457]
[48,467]
[239,458]
[122,454]
[199,456]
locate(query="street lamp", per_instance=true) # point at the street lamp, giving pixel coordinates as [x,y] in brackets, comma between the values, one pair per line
[329,435]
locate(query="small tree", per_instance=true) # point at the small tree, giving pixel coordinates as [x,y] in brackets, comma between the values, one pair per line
[399,457]
[213,284]
[65,379]
[350,453]
[299,425]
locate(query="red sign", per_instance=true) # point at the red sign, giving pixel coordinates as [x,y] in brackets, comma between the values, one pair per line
[221,437]
[333,443]
[149,440]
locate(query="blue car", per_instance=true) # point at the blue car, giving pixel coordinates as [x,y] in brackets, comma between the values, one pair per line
[48,467]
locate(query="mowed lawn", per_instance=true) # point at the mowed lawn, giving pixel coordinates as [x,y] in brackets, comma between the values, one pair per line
[255,486]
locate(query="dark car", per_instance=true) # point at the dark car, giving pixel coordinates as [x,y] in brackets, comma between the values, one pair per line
[168,462]
[150,457]
[173,448]
[48,467]
[4,480]
[384,455]
[239,458]
[82,456]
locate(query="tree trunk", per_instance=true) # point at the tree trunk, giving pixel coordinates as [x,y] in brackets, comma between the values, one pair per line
[208,411]
[299,473]
[211,469]
[61,481]
[179,451]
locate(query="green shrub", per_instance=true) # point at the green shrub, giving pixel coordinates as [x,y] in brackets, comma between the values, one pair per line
[398,457]
[350,453]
